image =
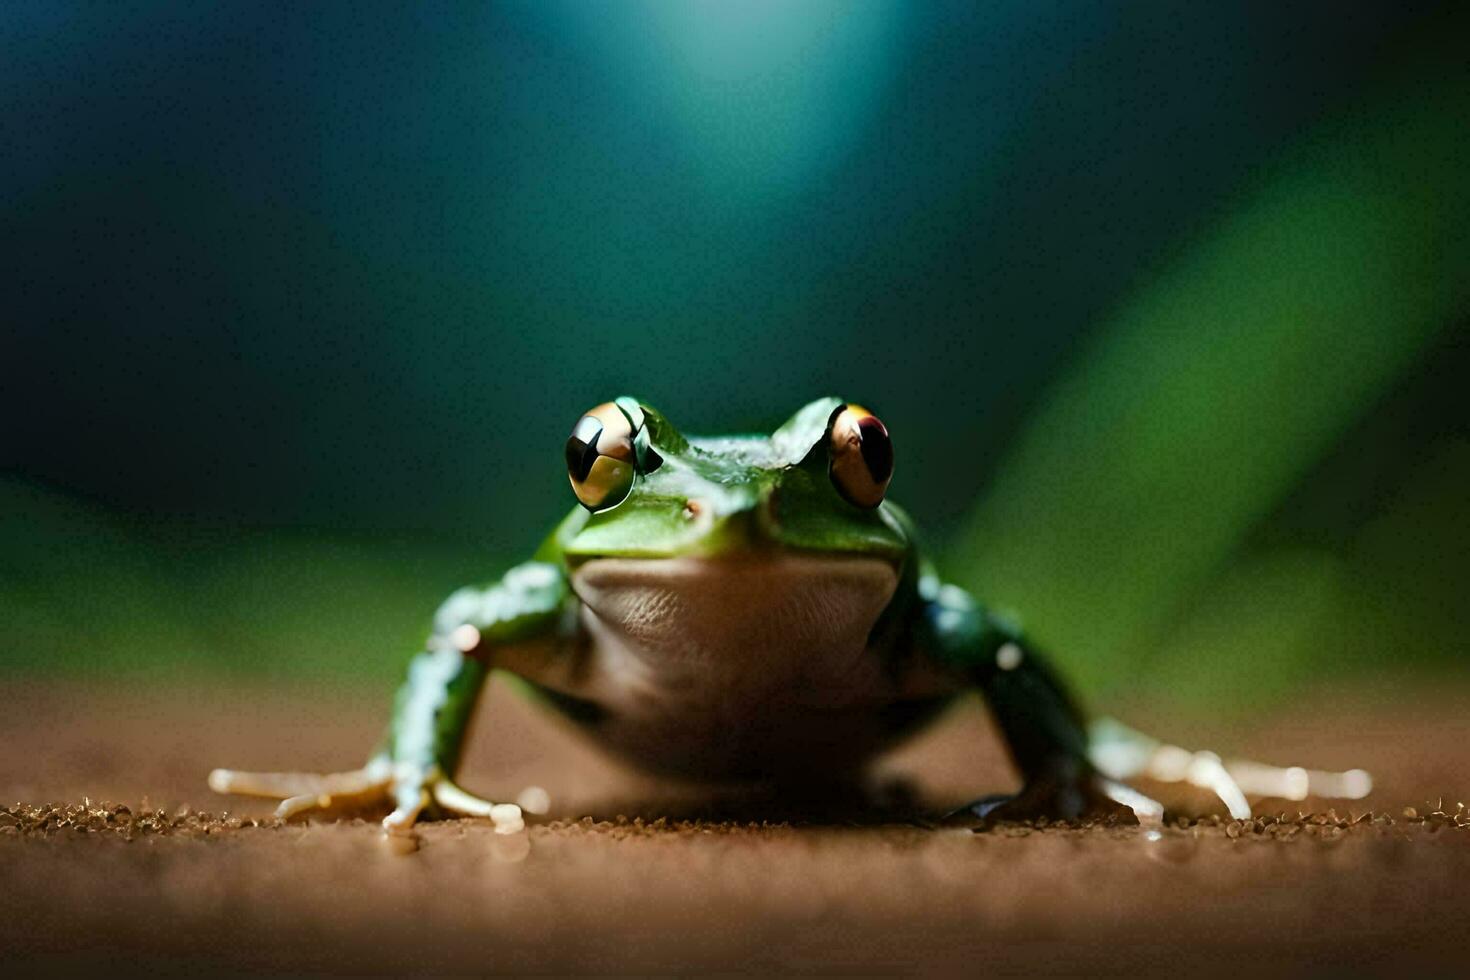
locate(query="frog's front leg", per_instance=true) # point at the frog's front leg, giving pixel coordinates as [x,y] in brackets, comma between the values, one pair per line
[1044,730]
[414,766]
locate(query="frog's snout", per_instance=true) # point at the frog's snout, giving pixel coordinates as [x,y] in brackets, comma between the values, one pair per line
[734,524]
[700,515]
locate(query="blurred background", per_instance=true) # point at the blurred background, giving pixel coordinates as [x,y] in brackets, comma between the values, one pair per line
[1166,308]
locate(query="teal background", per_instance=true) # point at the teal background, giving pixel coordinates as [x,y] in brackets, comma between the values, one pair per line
[1164,305]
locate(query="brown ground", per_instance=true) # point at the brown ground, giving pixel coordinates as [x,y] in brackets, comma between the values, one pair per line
[148,888]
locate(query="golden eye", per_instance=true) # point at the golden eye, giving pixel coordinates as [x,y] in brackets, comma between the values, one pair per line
[860,456]
[600,457]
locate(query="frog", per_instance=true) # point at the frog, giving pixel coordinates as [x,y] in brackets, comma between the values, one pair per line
[752,609]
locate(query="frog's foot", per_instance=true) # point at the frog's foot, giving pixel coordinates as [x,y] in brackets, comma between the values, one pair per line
[1122,753]
[302,791]
[1067,795]
[411,790]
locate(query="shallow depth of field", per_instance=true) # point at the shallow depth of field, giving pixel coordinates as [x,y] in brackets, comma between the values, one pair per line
[1167,318]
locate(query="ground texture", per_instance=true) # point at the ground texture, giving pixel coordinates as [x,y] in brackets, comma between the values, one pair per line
[114,854]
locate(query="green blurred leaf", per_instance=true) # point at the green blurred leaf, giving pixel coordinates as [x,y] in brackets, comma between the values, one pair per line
[1209,395]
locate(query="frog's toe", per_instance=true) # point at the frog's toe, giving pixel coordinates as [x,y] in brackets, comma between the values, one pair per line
[1120,753]
[412,796]
[1297,783]
[507,817]
[302,791]
[409,800]
[1146,810]
[293,805]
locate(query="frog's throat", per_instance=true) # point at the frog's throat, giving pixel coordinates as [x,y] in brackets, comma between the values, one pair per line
[742,666]
[695,608]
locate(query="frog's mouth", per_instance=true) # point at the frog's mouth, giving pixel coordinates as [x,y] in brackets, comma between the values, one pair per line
[693,606]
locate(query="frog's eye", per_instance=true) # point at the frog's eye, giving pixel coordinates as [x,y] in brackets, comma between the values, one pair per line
[601,458]
[860,456]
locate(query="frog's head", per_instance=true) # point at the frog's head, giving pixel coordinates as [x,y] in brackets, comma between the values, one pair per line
[816,484]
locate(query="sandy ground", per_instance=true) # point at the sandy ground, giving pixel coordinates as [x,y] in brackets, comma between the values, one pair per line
[740,885]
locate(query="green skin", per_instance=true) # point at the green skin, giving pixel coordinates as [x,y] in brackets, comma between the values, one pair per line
[753,495]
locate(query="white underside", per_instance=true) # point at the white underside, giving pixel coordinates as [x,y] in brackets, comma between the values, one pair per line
[734,665]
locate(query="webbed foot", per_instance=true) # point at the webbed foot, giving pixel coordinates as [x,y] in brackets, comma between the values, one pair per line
[411,790]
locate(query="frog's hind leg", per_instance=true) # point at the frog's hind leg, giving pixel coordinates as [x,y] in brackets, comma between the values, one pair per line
[1120,753]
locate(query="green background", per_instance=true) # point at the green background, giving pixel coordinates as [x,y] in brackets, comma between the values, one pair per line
[1164,305]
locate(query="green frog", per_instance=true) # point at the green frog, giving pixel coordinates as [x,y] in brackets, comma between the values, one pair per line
[751,607]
